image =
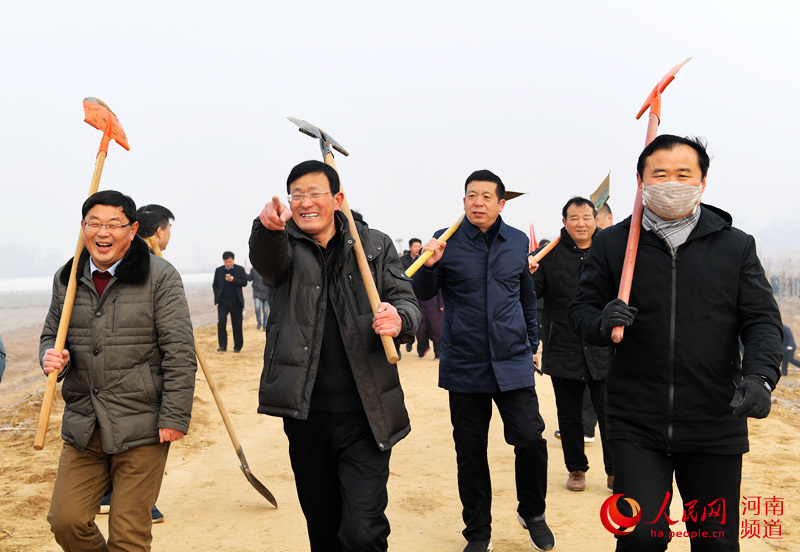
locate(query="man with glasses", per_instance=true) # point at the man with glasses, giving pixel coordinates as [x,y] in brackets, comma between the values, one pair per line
[325,370]
[128,373]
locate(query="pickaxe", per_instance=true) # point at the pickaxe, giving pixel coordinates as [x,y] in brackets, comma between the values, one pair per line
[223,412]
[411,270]
[326,142]
[653,101]
[100,116]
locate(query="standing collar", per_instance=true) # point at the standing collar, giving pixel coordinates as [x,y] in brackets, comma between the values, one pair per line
[111,270]
[473,231]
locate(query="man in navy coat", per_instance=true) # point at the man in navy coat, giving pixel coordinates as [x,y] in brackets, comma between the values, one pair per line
[489,337]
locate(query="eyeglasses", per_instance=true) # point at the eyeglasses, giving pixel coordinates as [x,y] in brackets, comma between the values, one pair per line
[111,226]
[313,196]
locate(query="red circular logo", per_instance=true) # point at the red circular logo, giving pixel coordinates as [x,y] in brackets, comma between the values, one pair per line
[614,521]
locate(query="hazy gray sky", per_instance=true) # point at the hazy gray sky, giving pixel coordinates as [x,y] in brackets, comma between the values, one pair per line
[421,93]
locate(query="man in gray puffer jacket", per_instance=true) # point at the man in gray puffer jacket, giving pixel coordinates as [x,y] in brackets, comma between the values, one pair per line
[325,370]
[128,373]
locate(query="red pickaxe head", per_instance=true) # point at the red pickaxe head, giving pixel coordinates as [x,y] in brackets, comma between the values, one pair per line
[326,142]
[100,116]
[653,101]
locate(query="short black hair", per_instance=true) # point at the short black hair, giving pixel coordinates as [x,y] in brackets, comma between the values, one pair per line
[310,167]
[668,142]
[227,255]
[114,199]
[484,175]
[412,241]
[151,217]
[578,202]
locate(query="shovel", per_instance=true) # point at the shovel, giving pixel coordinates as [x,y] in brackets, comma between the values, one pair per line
[100,116]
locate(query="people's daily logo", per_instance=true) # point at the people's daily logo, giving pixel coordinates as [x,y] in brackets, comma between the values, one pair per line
[614,520]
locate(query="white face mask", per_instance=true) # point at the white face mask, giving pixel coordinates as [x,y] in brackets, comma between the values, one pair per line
[671,200]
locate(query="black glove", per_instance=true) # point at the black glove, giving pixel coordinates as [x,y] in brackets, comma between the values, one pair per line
[617,313]
[752,398]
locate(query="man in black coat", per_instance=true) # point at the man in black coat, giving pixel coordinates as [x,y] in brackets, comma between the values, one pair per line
[325,369]
[678,392]
[573,365]
[229,279]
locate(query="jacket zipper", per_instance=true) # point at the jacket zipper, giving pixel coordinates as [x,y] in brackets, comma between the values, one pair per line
[671,404]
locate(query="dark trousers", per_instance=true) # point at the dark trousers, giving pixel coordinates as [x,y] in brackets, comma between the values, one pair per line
[229,305]
[470,414]
[569,406]
[341,477]
[589,415]
[645,475]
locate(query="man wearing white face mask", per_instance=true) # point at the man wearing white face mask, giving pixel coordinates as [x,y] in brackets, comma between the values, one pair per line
[678,393]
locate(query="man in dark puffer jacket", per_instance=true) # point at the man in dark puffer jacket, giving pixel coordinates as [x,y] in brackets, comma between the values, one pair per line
[325,370]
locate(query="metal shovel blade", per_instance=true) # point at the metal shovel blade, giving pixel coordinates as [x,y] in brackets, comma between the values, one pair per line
[253,480]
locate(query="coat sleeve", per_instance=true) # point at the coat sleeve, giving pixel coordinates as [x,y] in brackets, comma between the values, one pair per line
[50,329]
[426,280]
[595,289]
[760,326]
[176,340]
[527,296]
[240,277]
[270,252]
[215,286]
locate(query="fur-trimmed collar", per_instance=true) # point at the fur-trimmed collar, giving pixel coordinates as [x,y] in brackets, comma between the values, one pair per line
[133,269]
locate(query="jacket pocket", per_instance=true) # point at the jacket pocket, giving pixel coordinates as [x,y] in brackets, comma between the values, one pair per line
[149,385]
[272,357]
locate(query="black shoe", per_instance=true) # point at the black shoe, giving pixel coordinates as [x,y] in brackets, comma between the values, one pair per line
[408,347]
[259,326]
[157,516]
[479,546]
[221,349]
[542,537]
[237,350]
[557,434]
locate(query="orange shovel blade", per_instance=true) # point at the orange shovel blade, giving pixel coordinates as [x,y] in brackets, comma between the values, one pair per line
[102,118]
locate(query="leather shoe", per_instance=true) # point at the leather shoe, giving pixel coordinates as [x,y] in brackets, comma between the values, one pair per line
[576,481]
[610,482]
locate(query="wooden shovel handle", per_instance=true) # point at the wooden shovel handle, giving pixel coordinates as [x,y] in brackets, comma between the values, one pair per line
[546,249]
[427,254]
[66,314]
[363,266]
[632,247]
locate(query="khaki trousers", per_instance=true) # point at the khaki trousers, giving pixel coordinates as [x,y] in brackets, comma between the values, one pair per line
[83,476]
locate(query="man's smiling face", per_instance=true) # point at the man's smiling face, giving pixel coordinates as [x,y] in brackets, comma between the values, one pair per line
[107,246]
[315,216]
